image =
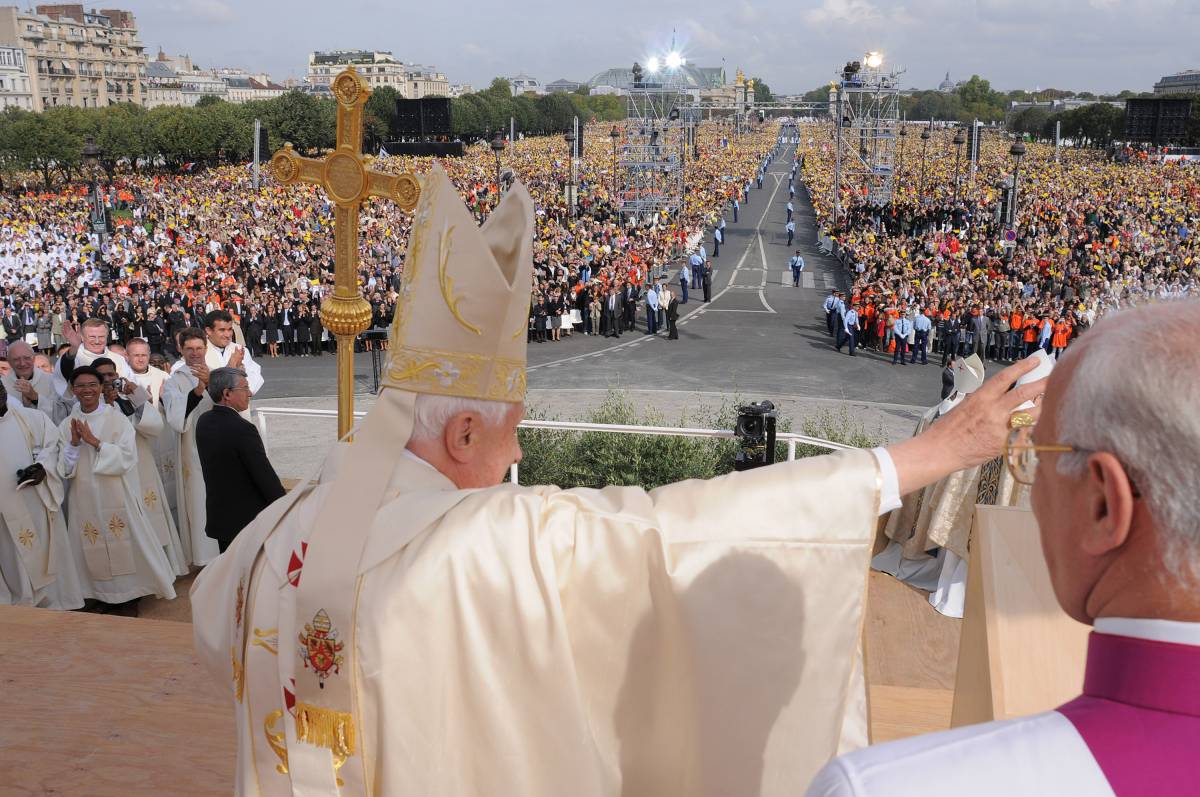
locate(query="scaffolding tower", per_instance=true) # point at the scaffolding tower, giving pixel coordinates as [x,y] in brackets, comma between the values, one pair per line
[658,137]
[865,101]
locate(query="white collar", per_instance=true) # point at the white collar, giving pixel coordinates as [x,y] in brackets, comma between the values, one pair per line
[407,454]
[1173,631]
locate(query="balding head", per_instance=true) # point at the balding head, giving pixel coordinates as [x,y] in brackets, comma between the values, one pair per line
[1120,516]
[20,357]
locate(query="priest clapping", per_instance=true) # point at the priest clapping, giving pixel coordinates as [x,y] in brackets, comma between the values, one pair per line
[98,454]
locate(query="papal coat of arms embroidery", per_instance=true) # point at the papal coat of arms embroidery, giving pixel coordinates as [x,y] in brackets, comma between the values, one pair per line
[320,648]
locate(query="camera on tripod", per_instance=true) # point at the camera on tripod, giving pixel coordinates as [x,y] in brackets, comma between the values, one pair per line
[755,430]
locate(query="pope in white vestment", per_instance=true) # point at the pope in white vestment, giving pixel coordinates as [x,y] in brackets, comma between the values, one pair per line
[183,408]
[387,632]
[123,557]
[38,565]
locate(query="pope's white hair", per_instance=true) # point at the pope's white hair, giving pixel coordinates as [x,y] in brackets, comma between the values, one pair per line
[1135,393]
[432,412]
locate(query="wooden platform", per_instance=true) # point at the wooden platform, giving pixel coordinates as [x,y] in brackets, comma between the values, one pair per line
[108,707]
[101,705]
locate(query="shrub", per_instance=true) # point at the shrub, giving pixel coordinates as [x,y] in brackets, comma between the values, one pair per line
[599,459]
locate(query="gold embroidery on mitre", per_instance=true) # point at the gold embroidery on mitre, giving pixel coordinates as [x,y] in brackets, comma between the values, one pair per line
[26,538]
[447,282]
[325,727]
[276,740]
[457,374]
[91,533]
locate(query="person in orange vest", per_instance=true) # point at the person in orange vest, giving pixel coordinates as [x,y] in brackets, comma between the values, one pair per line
[1062,334]
[1016,323]
[1030,328]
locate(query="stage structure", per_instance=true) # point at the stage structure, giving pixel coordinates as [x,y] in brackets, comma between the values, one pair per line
[658,137]
[865,106]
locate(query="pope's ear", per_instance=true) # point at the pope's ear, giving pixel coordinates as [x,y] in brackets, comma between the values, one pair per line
[461,436]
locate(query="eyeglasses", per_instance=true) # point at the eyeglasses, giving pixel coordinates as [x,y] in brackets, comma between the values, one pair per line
[1021,454]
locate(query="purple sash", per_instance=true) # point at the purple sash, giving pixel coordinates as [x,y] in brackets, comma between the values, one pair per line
[1140,714]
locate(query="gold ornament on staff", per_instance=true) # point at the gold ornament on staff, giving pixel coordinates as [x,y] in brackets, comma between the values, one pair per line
[348,182]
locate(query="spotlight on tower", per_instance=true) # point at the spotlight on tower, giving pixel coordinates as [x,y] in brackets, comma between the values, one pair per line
[652,64]
[674,60]
[874,59]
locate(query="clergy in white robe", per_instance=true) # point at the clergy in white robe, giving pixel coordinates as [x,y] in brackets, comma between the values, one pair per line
[89,341]
[185,399]
[412,626]
[38,566]
[1112,464]
[222,352]
[166,444]
[98,454]
[133,401]
[30,387]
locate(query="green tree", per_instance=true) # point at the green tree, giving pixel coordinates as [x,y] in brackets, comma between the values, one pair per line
[208,100]
[299,118]
[44,142]
[380,119]
[819,94]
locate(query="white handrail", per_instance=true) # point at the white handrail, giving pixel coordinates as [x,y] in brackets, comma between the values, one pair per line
[260,415]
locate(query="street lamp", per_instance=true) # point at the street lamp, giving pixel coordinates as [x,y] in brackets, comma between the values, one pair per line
[1017,150]
[497,148]
[570,139]
[91,158]
[924,147]
[614,134]
[959,139]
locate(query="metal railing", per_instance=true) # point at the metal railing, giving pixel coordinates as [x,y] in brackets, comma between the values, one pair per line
[260,414]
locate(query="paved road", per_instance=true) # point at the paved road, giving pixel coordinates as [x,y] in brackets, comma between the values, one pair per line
[759,336]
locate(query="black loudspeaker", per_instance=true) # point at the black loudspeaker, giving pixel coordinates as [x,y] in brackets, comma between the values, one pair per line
[435,113]
[425,117]
[408,119]
[263,149]
[1156,121]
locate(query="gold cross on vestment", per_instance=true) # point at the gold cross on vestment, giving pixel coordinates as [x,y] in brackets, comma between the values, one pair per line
[348,182]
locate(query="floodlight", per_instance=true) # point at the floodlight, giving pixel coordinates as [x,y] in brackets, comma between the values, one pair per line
[652,64]
[874,60]
[674,60]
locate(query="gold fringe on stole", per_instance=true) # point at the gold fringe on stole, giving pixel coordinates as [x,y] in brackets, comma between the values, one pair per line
[239,674]
[324,727]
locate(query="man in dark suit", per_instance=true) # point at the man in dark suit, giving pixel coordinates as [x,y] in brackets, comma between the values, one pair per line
[239,481]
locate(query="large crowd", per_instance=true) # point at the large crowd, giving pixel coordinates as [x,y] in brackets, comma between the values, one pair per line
[1093,230]
[184,245]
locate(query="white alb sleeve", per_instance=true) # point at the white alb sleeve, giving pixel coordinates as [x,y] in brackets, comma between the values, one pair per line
[889,494]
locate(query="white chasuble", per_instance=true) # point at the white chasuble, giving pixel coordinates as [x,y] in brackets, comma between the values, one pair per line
[123,558]
[166,444]
[148,424]
[189,477]
[38,566]
[703,638]
[219,358]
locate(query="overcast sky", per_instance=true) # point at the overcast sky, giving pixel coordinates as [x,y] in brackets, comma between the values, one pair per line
[1093,45]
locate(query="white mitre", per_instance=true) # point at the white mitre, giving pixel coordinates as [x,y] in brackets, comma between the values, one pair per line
[968,376]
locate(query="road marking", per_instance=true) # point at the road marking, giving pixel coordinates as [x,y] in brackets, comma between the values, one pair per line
[732,310]
[828,278]
[694,313]
[762,297]
[807,280]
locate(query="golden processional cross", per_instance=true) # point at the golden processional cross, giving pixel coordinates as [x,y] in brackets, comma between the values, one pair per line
[348,182]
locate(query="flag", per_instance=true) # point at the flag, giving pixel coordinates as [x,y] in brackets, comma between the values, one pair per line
[187,167]
[383,153]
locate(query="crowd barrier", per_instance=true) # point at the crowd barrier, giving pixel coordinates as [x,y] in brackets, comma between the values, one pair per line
[260,415]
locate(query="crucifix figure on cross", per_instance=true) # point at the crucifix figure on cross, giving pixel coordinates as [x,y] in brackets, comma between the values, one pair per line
[348,182]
